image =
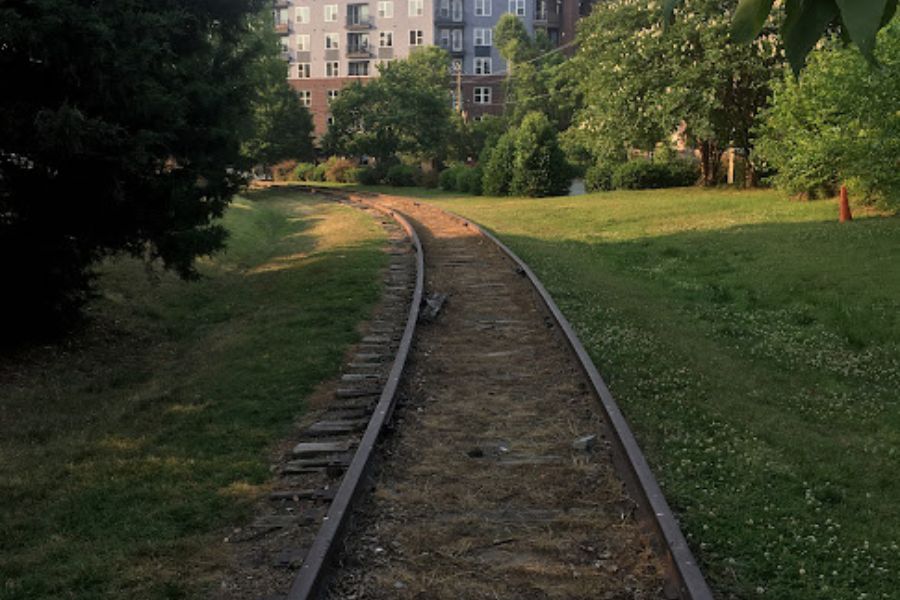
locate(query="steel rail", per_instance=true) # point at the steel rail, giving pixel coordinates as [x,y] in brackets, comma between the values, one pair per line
[639,478]
[308,583]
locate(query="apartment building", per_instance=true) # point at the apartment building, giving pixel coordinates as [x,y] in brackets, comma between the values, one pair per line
[330,43]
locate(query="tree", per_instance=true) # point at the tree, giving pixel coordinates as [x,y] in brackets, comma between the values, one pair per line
[404,111]
[539,166]
[640,85]
[499,165]
[806,21]
[838,123]
[120,131]
[282,127]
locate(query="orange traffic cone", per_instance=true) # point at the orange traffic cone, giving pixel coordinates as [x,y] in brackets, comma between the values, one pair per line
[845,205]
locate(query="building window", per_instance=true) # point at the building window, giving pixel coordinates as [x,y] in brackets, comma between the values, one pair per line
[416,8]
[386,39]
[301,15]
[284,47]
[416,37]
[331,13]
[332,41]
[386,9]
[281,17]
[457,36]
[303,71]
[332,69]
[517,7]
[330,120]
[484,36]
[456,66]
[482,8]
[444,39]
[457,10]
[303,42]
[358,69]
[305,98]
[483,66]
[332,95]
[482,95]
[444,9]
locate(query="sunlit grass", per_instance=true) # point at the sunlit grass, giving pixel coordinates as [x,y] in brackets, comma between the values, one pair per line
[754,344]
[126,451]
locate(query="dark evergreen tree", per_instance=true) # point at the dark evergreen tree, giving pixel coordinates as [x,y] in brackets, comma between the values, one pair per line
[120,130]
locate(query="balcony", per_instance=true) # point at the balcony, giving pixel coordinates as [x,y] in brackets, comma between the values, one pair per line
[546,18]
[282,4]
[360,51]
[282,28]
[359,24]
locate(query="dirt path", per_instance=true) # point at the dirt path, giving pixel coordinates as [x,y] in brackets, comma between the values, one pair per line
[482,494]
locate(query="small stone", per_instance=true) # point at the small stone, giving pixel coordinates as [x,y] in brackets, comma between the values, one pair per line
[585,443]
[399,585]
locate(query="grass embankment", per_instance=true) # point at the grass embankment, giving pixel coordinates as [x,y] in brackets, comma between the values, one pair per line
[127,449]
[754,344]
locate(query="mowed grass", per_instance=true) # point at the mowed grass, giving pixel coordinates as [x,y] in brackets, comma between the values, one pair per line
[128,450]
[754,345]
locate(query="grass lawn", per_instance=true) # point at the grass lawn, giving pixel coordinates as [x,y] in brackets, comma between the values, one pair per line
[127,450]
[754,344]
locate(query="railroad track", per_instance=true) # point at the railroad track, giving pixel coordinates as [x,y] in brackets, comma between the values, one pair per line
[454,514]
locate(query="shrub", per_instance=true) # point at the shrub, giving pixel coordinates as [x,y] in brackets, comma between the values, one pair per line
[499,165]
[837,124]
[539,165]
[368,176]
[598,178]
[304,171]
[337,169]
[284,171]
[682,172]
[449,177]
[318,174]
[640,175]
[469,179]
[427,178]
[401,175]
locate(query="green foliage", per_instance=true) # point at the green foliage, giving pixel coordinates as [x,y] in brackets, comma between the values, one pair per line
[806,22]
[598,178]
[448,178]
[401,175]
[498,167]
[644,174]
[368,176]
[469,180]
[641,85]
[539,165]
[304,171]
[838,124]
[406,110]
[337,169]
[512,40]
[318,174]
[120,131]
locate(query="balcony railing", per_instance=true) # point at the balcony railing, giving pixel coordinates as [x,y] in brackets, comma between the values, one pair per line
[359,23]
[282,28]
[360,51]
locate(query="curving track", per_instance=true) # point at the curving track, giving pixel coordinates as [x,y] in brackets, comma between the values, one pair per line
[482,493]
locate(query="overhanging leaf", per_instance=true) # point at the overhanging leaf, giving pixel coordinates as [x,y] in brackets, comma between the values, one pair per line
[669,9]
[804,24]
[863,18]
[749,19]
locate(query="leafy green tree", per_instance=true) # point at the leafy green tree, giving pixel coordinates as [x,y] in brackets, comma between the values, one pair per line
[499,165]
[806,21]
[640,86]
[406,110]
[839,123]
[120,130]
[282,128]
[539,165]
